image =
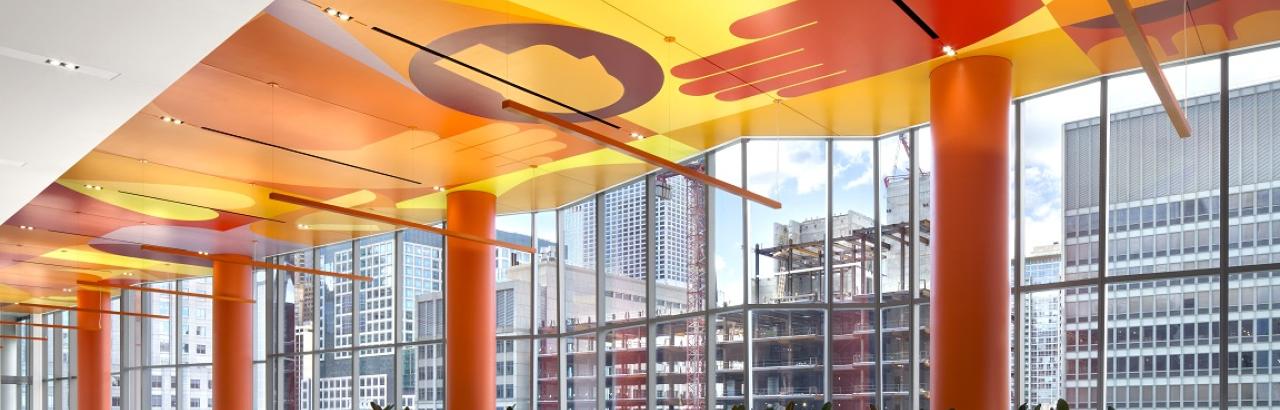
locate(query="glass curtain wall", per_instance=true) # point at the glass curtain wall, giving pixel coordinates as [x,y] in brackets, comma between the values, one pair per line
[1143,276]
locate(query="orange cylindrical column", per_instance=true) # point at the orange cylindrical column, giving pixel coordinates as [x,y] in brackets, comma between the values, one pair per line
[469,304]
[969,309]
[93,360]
[232,335]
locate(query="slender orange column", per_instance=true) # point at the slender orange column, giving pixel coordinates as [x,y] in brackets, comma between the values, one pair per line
[93,360]
[969,311]
[469,304]
[232,335]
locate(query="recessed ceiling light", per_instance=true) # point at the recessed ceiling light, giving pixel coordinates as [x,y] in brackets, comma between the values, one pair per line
[637,135]
[304,226]
[62,64]
[171,120]
[27,228]
[335,13]
[93,187]
[203,253]
[68,290]
[949,51]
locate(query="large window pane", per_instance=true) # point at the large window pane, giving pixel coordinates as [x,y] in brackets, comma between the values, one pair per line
[1060,182]
[1060,345]
[853,242]
[681,363]
[626,368]
[626,225]
[513,373]
[895,217]
[1253,361]
[197,388]
[160,331]
[548,363]
[1151,169]
[195,339]
[853,360]
[293,382]
[296,305]
[680,241]
[426,378]
[423,264]
[578,250]
[335,307]
[546,309]
[513,275]
[728,233]
[1162,343]
[731,359]
[788,244]
[581,364]
[373,382]
[895,357]
[1253,173]
[788,358]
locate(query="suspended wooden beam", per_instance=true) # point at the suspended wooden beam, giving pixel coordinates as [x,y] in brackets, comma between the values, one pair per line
[640,154]
[22,337]
[254,263]
[90,310]
[394,221]
[1141,49]
[164,291]
[48,325]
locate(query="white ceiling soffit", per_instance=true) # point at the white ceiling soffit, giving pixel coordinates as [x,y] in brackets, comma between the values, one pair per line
[127,52]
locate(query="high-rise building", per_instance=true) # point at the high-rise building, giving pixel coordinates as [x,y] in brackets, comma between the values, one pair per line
[1041,327]
[1164,215]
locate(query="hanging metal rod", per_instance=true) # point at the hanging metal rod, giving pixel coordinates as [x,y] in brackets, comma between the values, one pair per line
[164,291]
[395,221]
[641,154]
[253,263]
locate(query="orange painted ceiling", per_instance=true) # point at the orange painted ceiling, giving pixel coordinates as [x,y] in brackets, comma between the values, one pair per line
[344,113]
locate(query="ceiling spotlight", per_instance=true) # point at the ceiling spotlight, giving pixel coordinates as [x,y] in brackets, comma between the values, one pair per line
[128,274]
[304,226]
[68,290]
[335,13]
[637,135]
[62,64]
[171,120]
[438,188]
[949,51]
[27,228]
[203,253]
[93,187]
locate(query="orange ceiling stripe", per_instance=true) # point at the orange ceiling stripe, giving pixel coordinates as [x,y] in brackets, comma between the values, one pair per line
[1142,50]
[395,221]
[90,310]
[164,291]
[254,263]
[641,154]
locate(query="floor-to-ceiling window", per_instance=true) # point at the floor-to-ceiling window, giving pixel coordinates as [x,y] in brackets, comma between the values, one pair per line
[1144,276]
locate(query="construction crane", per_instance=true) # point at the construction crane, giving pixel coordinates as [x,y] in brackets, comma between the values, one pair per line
[695,282]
